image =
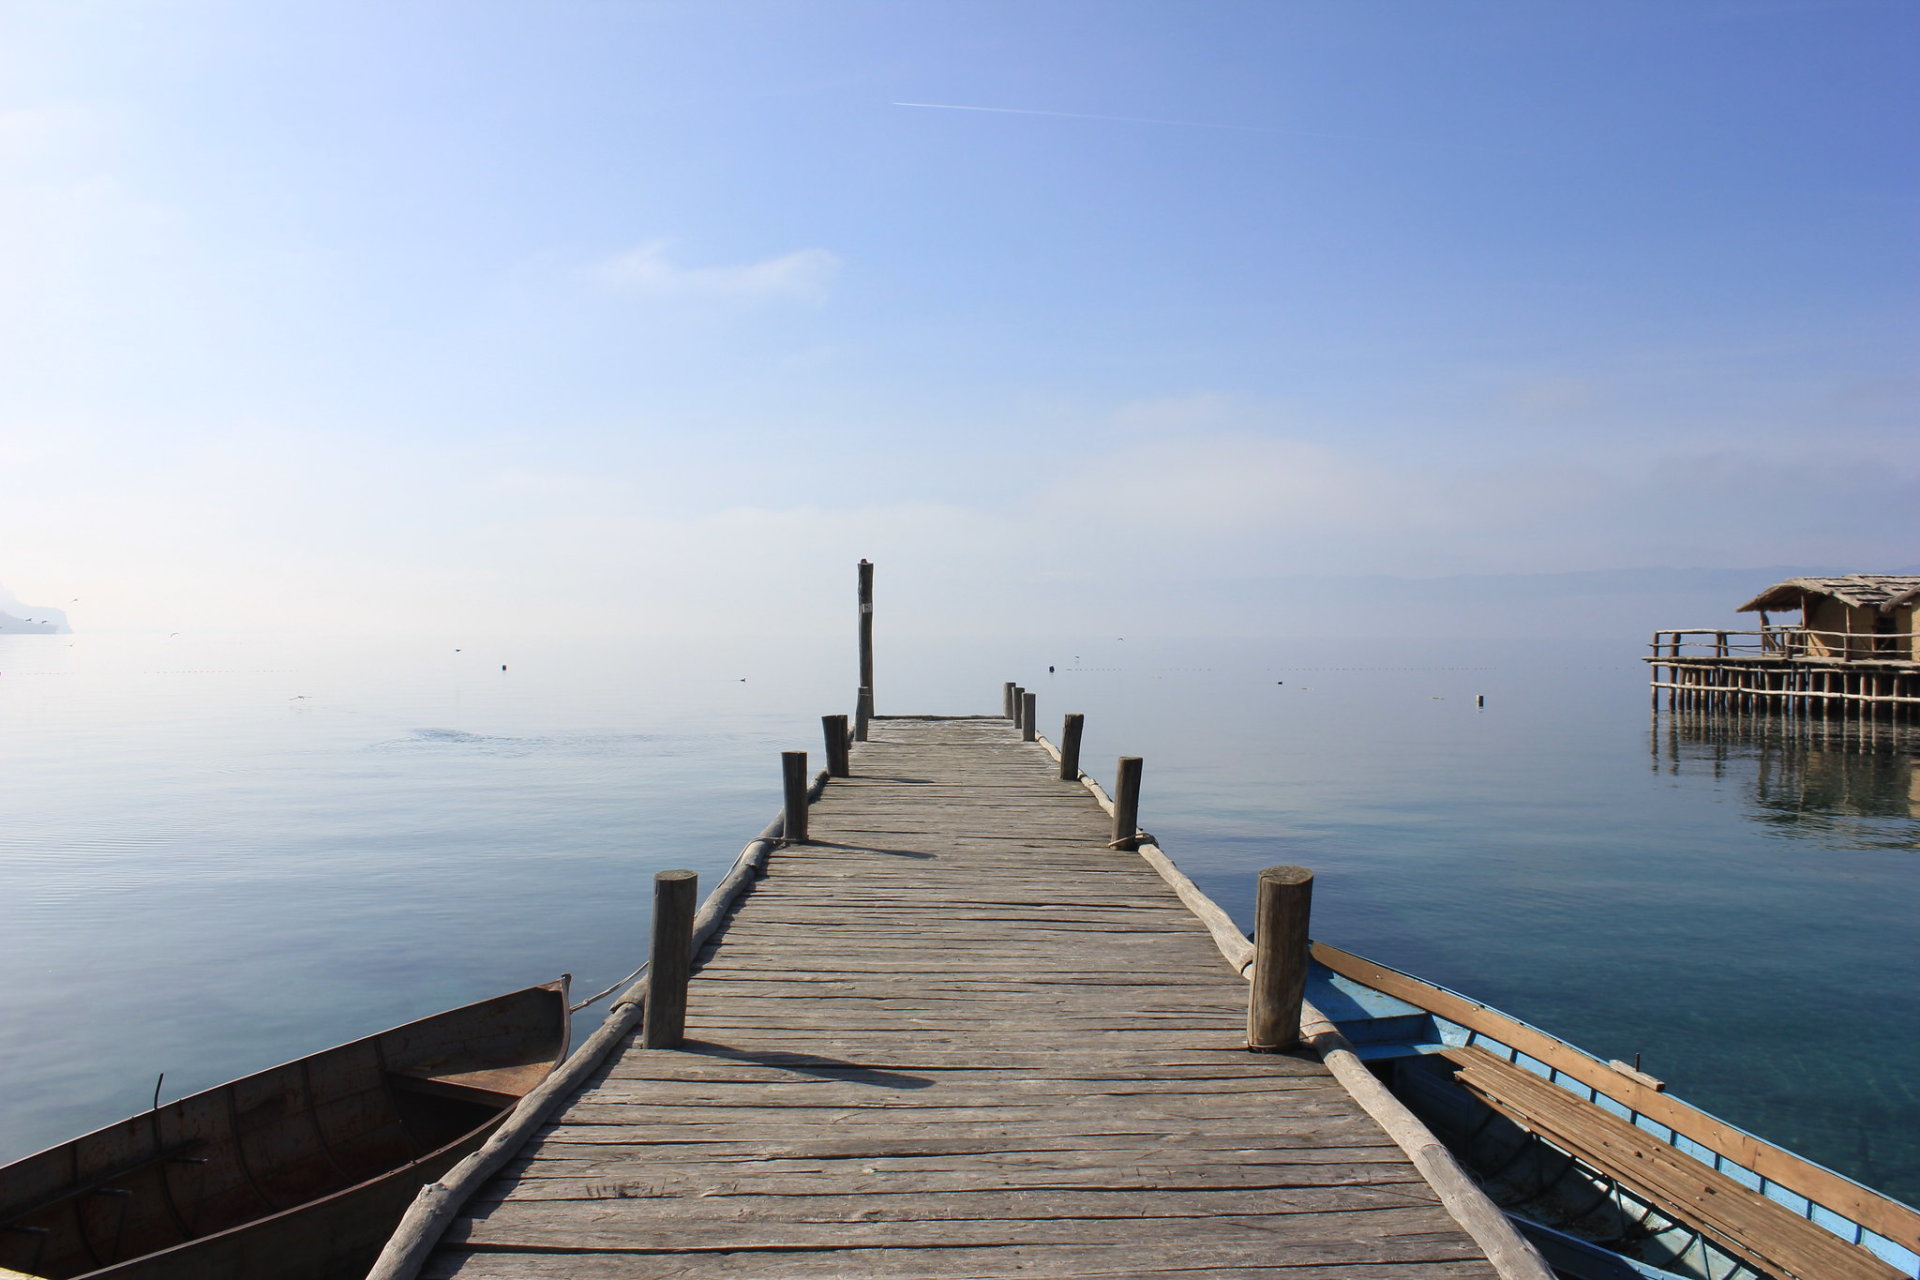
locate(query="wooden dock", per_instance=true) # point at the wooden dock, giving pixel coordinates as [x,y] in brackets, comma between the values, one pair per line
[957,1035]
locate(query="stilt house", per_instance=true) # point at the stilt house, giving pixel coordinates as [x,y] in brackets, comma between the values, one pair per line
[1853,652]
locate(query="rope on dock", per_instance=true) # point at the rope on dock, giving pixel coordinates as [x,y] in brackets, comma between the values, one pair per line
[598,997]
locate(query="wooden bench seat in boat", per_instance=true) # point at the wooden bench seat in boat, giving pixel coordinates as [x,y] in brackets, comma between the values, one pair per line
[1768,1236]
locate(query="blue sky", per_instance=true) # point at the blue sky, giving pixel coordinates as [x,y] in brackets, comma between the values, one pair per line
[650,313]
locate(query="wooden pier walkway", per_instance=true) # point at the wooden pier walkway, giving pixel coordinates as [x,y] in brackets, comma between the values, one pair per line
[956,1035]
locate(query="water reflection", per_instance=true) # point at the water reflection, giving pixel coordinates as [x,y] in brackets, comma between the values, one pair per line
[1846,783]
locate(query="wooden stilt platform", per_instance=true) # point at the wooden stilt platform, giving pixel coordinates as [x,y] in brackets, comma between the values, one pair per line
[957,1035]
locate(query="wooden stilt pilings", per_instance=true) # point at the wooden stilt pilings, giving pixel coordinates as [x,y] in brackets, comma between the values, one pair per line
[793,776]
[1070,732]
[1126,803]
[671,957]
[1728,678]
[834,729]
[1282,905]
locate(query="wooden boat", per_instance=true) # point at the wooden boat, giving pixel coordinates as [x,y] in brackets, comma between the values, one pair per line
[1612,1177]
[298,1172]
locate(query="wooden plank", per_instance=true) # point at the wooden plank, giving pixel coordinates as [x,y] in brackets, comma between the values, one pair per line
[1093,1262]
[815,1149]
[770,1090]
[1122,1163]
[655,1202]
[1318,1238]
[1038,1072]
[855,1121]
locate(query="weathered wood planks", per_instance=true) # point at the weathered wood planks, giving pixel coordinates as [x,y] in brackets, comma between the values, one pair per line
[957,1035]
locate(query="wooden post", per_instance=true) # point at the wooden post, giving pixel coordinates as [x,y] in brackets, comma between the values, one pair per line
[862,713]
[835,730]
[1019,704]
[1126,803]
[665,1017]
[1026,717]
[1006,699]
[866,629]
[1070,730]
[793,771]
[1283,904]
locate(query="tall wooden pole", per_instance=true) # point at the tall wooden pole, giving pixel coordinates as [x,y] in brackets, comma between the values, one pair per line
[664,1019]
[1281,909]
[1028,730]
[866,628]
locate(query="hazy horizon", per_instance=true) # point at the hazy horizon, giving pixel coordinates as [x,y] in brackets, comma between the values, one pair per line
[654,318]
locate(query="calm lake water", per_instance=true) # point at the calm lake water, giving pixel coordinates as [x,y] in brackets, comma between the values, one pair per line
[218,855]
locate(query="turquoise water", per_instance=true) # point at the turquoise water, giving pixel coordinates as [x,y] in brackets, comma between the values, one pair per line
[220,854]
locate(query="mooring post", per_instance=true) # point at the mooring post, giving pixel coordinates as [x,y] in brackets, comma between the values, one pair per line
[793,771]
[1070,730]
[1027,733]
[862,713]
[1126,803]
[664,1020]
[1019,704]
[866,628]
[1282,905]
[1006,699]
[834,728]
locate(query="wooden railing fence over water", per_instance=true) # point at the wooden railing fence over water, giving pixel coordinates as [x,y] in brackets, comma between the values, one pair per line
[1789,669]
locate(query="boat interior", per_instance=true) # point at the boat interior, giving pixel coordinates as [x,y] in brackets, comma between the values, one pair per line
[275,1141]
[1610,1176]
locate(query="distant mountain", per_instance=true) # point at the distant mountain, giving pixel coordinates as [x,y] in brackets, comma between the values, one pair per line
[19,619]
[1618,606]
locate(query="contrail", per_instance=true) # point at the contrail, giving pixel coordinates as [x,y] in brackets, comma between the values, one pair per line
[1075,115]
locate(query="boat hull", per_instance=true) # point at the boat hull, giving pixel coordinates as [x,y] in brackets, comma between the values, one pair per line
[298,1172]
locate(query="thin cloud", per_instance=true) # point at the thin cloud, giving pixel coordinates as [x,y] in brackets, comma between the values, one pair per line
[1077,115]
[804,275]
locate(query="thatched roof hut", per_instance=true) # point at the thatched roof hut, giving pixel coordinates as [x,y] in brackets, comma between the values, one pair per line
[1856,616]
[1882,592]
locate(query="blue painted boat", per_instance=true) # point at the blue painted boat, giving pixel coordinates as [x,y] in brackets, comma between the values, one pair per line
[1612,1177]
